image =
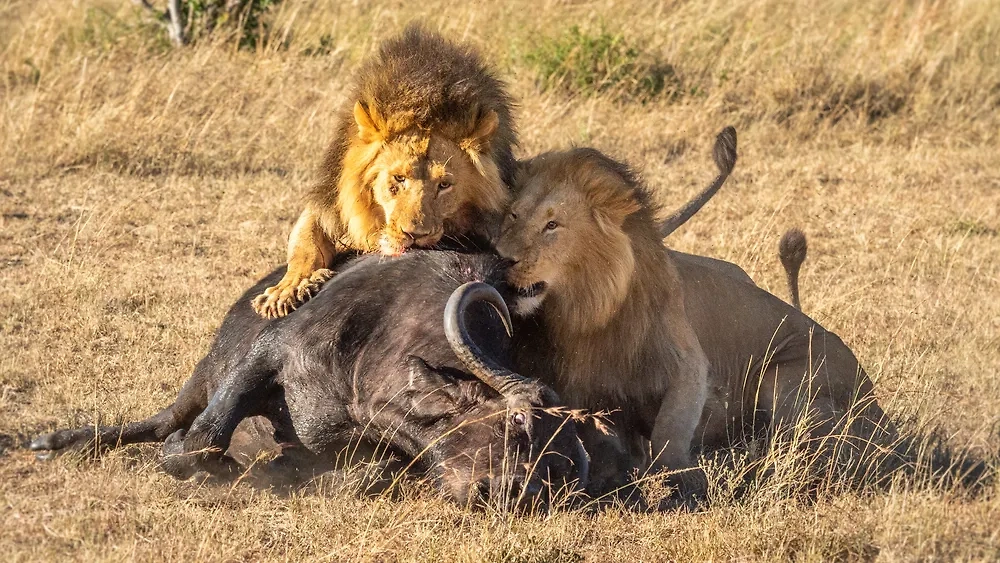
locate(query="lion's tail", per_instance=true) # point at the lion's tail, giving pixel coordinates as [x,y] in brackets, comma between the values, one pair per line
[792,252]
[724,153]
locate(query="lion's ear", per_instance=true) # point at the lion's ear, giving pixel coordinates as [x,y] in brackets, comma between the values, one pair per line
[611,199]
[477,145]
[368,121]
[522,172]
[482,131]
[614,210]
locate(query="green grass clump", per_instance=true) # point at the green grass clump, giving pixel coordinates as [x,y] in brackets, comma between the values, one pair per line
[244,20]
[582,63]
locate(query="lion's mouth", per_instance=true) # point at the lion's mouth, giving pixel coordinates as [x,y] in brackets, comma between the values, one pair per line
[533,290]
[389,247]
[394,246]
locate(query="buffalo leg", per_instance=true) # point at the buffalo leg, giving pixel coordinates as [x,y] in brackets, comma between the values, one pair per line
[190,401]
[295,463]
[202,447]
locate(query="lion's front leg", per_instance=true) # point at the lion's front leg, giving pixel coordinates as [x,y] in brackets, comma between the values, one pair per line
[310,252]
[679,415]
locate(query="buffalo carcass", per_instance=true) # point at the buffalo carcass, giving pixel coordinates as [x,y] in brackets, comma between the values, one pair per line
[368,365]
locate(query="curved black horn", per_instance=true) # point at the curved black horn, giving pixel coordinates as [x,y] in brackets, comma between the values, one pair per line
[499,378]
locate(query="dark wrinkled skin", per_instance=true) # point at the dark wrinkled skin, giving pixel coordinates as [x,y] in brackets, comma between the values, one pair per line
[364,367]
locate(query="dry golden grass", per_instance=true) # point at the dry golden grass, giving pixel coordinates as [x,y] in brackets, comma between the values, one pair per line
[142,189]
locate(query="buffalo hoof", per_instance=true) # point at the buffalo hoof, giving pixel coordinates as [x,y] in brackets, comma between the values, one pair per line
[49,445]
[46,456]
[175,462]
[182,464]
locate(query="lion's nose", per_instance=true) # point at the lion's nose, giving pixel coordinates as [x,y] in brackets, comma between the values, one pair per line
[416,233]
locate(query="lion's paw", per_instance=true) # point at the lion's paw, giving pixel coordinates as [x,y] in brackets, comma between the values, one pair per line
[308,287]
[691,489]
[289,293]
[279,300]
[276,301]
[268,304]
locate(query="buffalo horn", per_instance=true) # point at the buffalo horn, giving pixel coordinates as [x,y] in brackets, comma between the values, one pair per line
[501,379]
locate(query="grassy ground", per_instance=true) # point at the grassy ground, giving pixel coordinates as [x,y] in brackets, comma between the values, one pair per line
[143,188]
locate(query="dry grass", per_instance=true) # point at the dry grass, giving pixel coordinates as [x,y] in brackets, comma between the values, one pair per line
[142,189]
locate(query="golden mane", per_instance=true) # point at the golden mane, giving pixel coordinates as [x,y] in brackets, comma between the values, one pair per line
[356,210]
[417,84]
[611,310]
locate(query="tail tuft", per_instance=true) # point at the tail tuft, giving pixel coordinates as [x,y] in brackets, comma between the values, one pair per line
[724,154]
[792,251]
[724,151]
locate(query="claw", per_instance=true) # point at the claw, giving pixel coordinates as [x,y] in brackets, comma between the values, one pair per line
[285,297]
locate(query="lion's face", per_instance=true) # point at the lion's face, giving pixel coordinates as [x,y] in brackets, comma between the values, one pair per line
[425,186]
[564,233]
[413,187]
[545,233]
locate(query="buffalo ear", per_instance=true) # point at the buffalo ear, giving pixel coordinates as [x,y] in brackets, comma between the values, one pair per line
[438,393]
[369,122]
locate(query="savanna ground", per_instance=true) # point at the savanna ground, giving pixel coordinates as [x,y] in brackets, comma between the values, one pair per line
[143,188]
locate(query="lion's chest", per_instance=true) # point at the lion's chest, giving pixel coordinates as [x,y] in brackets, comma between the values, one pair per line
[602,375]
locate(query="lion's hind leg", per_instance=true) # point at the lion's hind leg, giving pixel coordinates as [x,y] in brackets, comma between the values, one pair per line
[831,411]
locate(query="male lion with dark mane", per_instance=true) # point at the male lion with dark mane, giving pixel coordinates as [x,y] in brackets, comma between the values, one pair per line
[423,150]
[590,256]
[683,350]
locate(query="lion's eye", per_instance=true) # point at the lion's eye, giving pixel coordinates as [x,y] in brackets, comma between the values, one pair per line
[442,186]
[399,178]
[513,216]
[551,226]
[518,419]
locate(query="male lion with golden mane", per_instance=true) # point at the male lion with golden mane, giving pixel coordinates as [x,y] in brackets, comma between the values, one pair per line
[423,150]
[681,348]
